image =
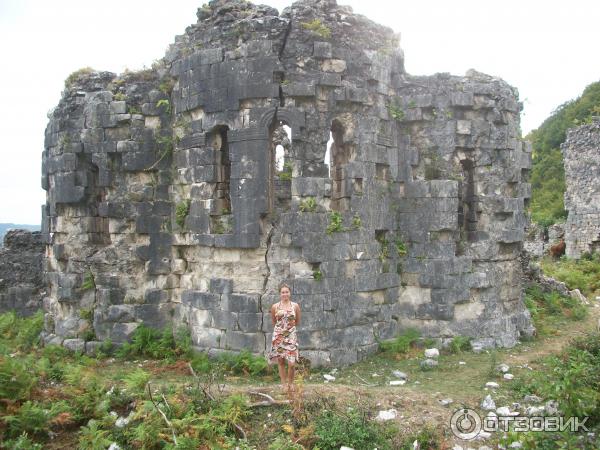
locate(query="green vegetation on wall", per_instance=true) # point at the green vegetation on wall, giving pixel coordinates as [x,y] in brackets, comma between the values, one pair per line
[547,174]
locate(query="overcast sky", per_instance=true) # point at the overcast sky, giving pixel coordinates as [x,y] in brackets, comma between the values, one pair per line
[548,50]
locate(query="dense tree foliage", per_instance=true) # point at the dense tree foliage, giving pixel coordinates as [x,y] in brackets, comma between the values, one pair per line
[547,175]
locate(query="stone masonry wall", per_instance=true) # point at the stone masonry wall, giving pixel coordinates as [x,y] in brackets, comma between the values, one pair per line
[581,154]
[21,278]
[167,206]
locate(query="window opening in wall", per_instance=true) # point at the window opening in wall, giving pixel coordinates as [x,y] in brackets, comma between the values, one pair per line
[220,215]
[328,154]
[281,167]
[217,139]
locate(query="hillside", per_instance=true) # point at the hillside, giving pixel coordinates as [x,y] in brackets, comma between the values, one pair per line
[547,175]
[4,227]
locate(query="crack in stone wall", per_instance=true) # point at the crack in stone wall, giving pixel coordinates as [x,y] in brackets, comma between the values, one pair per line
[164,182]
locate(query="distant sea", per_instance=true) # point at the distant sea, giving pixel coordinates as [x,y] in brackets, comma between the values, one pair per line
[4,227]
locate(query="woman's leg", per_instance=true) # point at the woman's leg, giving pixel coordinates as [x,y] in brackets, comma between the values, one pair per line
[281,367]
[290,373]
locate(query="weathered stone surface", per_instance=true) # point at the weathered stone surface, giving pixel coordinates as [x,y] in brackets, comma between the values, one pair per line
[581,156]
[22,286]
[183,195]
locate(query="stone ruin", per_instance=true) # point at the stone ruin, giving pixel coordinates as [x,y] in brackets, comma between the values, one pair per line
[21,278]
[183,195]
[581,155]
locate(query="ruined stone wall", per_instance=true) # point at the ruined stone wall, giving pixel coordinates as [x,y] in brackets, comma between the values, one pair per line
[21,278]
[581,155]
[167,204]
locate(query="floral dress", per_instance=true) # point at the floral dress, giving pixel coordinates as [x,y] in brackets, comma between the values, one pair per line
[285,341]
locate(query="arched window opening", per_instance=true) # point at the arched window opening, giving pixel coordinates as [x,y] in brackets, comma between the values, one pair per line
[281,167]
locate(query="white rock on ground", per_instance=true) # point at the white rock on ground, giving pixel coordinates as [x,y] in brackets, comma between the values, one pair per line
[400,375]
[552,407]
[492,385]
[534,410]
[432,353]
[488,403]
[429,363]
[503,368]
[508,376]
[328,377]
[397,382]
[386,415]
[446,401]
[503,411]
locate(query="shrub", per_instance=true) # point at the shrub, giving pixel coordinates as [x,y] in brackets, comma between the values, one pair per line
[317,27]
[23,443]
[284,443]
[88,282]
[400,344]
[32,418]
[460,344]
[401,247]
[151,343]
[22,333]
[164,103]
[16,380]
[78,75]
[91,437]
[548,308]
[335,223]
[201,363]
[353,430]
[136,381]
[286,173]
[87,393]
[308,205]
[181,212]
[396,112]
[243,363]
[428,438]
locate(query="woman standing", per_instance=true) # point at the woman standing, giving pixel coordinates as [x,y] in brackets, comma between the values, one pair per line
[285,316]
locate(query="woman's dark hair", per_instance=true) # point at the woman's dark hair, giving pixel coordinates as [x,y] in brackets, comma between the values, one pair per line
[284,285]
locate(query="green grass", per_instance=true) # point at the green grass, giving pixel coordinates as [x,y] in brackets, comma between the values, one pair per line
[551,311]
[582,274]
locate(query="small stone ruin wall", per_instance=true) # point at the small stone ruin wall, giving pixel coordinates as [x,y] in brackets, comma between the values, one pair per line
[176,196]
[581,155]
[21,279]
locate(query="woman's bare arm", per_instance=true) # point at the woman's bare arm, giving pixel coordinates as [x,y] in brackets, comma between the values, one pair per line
[273,315]
[297,309]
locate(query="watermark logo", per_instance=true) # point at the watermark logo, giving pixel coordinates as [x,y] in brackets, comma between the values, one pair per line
[466,423]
